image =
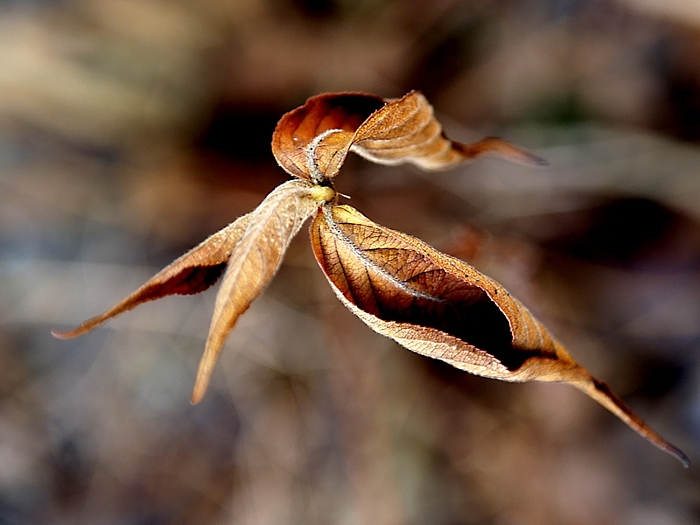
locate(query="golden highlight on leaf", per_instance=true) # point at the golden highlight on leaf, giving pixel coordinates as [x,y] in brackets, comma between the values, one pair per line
[441,307]
[406,130]
[429,302]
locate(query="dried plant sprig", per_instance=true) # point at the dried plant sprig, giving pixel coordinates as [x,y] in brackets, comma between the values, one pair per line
[427,301]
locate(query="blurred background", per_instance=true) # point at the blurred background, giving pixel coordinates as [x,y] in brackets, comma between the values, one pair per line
[132,129]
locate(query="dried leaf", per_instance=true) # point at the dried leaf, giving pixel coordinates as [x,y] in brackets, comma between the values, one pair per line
[192,273]
[312,141]
[406,130]
[427,301]
[320,114]
[441,307]
[254,261]
[253,247]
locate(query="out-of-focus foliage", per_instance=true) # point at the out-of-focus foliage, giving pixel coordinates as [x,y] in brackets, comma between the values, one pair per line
[118,152]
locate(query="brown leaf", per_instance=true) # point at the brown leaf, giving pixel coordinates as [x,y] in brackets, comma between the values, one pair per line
[406,130]
[441,307]
[254,261]
[427,301]
[192,273]
[312,141]
[252,246]
[322,113]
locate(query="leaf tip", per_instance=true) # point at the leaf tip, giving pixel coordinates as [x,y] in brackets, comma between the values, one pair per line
[68,334]
[206,367]
[673,451]
[602,393]
[680,456]
[197,395]
[535,160]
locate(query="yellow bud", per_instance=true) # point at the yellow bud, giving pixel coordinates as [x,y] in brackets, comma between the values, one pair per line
[322,193]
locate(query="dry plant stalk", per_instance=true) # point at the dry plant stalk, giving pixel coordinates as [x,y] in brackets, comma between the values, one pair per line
[427,301]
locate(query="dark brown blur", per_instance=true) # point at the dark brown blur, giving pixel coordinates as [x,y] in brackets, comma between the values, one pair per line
[132,129]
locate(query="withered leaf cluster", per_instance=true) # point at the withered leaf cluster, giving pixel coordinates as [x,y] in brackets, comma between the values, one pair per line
[427,301]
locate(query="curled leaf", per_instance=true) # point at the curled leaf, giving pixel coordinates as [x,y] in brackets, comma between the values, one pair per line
[312,141]
[406,130]
[322,113]
[441,307]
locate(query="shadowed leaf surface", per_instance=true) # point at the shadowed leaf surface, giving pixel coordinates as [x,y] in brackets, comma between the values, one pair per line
[321,113]
[441,307]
